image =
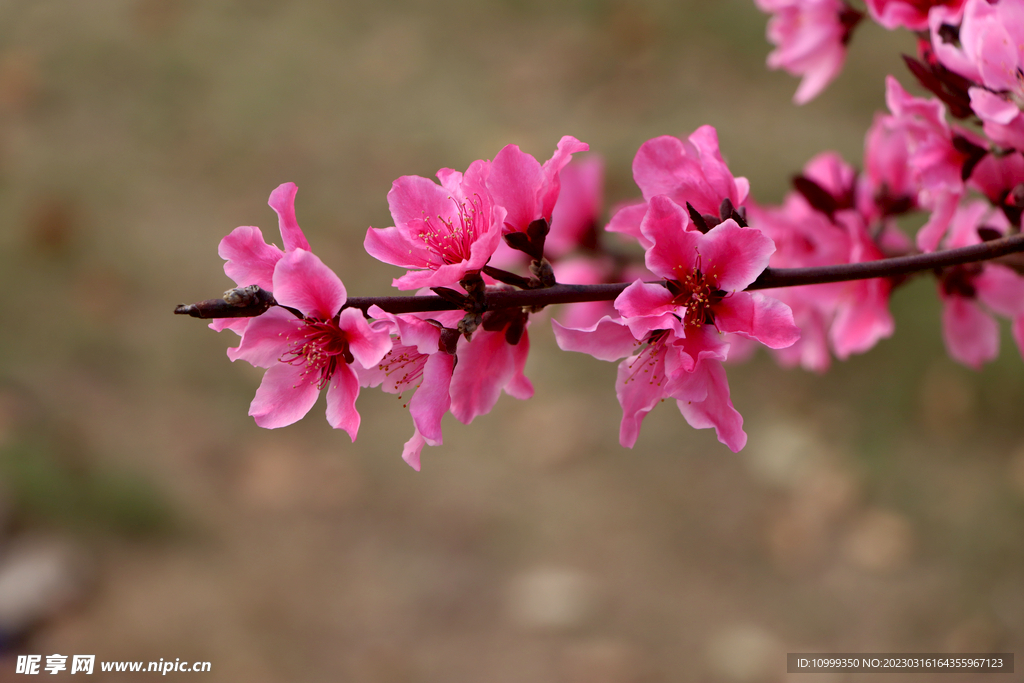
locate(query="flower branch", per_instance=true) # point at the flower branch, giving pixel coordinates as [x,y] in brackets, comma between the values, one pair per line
[251,302]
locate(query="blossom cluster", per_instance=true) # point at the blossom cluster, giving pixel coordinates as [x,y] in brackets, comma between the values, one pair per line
[971,54]
[513,223]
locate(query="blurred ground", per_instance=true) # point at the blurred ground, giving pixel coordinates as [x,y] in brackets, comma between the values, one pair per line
[878,508]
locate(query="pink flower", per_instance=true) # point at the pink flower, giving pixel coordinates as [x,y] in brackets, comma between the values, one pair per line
[573,219]
[487,365]
[671,331]
[527,190]
[984,42]
[417,363]
[690,171]
[911,14]
[442,232]
[862,315]
[817,226]
[969,291]
[303,356]
[249,260]
[921,159]
[705,277]
[1001,118]
[575,215]
[585,271]
[663,365]
[987,48]
[810,38]
[804,237]
[1001,179]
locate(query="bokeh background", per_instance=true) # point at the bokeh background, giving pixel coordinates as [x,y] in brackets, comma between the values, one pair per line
[877,508]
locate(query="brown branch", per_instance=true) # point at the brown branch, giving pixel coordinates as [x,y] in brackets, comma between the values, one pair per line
[890,267]
[567,294]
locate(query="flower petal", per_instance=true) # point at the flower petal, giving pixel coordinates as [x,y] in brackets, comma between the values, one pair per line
[266,338]
[485,366]
[515,182]
[734,256]
[284,397]
[971,335]
[432,400]
[412,450]
[759,317]
[520,386]
[1001,289]
[716,410]
[674,251]
[627,220]
[342,393]
[249,260]
[551,190]
[302,281]
[607,339]
[639,386]
[282,201]
[394,246]
[863,319]
[368,346]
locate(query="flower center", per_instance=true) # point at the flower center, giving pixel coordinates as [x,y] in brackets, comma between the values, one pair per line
[646,363]
[319,345]
[959,280]
[451,239]
[403,366]
[698,292]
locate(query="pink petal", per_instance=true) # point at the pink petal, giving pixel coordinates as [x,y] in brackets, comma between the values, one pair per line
[644,299]
[661,165]
[485,244]
[249,259]
[485,366]
[411,330]
[551,190]
[715,170]
[413,197]
[759,317]
[302,281]
[282,201]
[943,207]
[607,339]
[266,338]
[627,220]
[520,386]
[284,397]
[1001,289]
[639,386]
[236,325]
[342,393]
[991,107]
[432,400]
[734,256]
[675,248]
[578,207]
[514,183]
[863,319]
[1018,333]
[684,383]
[827,65]
[716,410]
[412,450]
[971,335]
[368,347]
[395,246]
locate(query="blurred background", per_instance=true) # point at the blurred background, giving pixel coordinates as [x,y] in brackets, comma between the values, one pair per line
[143,514]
